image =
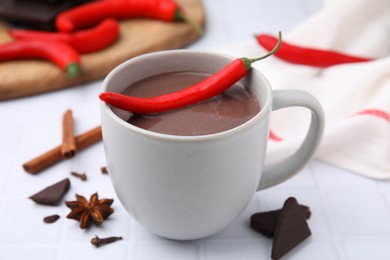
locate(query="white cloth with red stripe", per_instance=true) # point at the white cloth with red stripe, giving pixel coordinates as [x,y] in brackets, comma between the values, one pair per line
[355,97]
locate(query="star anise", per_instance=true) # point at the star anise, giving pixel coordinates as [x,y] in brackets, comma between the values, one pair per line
[87,212]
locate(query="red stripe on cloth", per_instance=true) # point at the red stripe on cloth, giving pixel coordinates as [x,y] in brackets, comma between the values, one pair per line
[375,112]
[274,137]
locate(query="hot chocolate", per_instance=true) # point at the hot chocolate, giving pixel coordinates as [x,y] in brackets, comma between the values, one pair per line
[228,110]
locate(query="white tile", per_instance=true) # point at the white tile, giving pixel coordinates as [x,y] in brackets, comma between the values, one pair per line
[21,221]
[55,103]
[31,252]
[142,234]
[166,250]
[313,248]
[240,227]
[24,184]
[237,249]
[385,185]
[312,7]
[90,161]
[42,134]
[11,131]
[86,250]
[332,177]
[359,214]
[91,103]
[304,179]
[5,173]
[16,108]
[377,249]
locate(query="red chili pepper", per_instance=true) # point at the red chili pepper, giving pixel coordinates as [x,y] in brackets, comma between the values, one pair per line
[83,41]
[94,12]
[59,53]
[206,89]
[307,56]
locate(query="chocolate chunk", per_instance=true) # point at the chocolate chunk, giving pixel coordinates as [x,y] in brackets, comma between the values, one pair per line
[104,170]
[35,14]
[265,222]
[291,229]
[52,195]
[51,219]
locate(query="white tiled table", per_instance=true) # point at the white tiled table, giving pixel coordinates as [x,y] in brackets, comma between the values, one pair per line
[350,214]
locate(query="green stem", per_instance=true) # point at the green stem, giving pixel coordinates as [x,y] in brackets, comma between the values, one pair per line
[181,16]
[72,70]
[248,62]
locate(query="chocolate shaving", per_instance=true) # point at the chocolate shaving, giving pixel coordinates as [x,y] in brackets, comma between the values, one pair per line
[51,195]
[51,219]
[104,170]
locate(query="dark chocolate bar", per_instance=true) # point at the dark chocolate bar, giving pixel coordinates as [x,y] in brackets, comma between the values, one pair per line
[36,14]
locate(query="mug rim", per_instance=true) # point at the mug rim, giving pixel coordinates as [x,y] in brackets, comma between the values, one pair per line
[151,134]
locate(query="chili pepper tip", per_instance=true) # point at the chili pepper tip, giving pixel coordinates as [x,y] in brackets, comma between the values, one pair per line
[102,96]
[73,70]
[106,96]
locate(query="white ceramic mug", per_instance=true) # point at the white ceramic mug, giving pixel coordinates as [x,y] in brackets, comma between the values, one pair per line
[190,187]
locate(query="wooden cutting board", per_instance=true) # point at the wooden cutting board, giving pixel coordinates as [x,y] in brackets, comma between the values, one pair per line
[138,36]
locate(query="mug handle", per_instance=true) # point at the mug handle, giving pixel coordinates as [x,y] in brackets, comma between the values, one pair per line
[275,174]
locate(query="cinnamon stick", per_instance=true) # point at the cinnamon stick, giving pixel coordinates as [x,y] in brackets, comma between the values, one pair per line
[68,148]
[54,155]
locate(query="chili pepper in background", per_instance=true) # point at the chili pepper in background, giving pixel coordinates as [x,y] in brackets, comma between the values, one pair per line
[210,87]
[57,52]
[94,12]
[83,41]
[307,56]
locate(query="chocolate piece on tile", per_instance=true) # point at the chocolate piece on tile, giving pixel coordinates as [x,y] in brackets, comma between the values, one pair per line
[51,195]
[265,222]
[36,14]
[291,229]
[51,219]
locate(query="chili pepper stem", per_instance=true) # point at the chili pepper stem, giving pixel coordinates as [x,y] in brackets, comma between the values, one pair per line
[181,16]
[248,62]
[72,70]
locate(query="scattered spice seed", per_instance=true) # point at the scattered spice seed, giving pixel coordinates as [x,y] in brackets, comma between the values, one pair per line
[96,241]
[51,219]
[104,170]
[86,212]
[81,176]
